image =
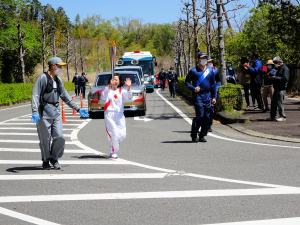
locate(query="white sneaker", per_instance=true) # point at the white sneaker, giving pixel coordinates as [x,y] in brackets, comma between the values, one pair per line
[113,156]
[281,119]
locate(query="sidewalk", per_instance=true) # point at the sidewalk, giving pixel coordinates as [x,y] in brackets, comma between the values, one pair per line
[288,130]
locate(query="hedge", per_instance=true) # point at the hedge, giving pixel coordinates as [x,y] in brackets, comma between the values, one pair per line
[229,96]
[11,93]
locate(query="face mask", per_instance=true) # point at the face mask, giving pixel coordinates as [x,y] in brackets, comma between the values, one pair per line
[58,71]
[276,65]
[203,62]
[270,67]
[229,64]
[210,65]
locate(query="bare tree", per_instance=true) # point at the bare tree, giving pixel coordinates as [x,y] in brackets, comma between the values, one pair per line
[82,59]
[68,53]
[75,55]
[22,52]
[54,50]
[43,39]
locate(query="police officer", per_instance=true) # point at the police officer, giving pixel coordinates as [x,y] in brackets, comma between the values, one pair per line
[46,112]
[203,88]
[230,73]
[83,81]
[218,83]
[172,77]
[162,76]
[76,82]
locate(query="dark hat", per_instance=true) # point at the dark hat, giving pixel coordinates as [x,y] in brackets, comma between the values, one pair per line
[162,68]
[201,54]
[76,73]
[228,61]
[209,59]
[83,73]
[171,68]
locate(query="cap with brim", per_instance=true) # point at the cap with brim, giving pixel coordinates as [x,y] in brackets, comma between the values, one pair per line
[270,62]
[202,54]
[56,61]
[209,59]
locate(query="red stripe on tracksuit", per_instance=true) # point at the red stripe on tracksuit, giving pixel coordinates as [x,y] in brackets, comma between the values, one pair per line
[107,132]
[120,90]
[107,104]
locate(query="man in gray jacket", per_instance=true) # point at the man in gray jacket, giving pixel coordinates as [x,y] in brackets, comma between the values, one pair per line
[280,82]
[46,112]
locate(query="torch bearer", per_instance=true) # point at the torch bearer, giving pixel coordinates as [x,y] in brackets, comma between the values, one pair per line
[112,55]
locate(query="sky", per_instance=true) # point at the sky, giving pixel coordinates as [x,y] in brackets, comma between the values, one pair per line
[150,11]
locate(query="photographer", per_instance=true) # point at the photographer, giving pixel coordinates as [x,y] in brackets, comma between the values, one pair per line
[280,81]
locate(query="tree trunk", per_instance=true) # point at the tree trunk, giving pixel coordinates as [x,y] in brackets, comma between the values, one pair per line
[227,18]
[43,42]
[75,56]
[81,59]
[195,18]
[21,53]
[222,70]
[208,27]
[68,54]
[189,40]
[53,44]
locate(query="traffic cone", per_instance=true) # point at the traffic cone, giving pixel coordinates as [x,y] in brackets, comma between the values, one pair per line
[81,100]
[63,112]
[74,111]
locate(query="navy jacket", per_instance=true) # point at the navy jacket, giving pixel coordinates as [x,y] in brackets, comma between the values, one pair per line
[207,85]
[267,80]
[172,76]
[281,78]
[162,75]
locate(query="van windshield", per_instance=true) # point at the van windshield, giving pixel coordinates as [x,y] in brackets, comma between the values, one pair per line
[102,80]
[146,65]
[131,69]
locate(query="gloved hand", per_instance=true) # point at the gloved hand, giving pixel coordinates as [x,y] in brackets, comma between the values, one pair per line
[83,113]
[35,117]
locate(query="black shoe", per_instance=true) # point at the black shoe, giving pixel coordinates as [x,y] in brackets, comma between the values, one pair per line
[174,96]
[55,164]
[46,166]
[195,138]
[171,95]
[209,130]
[202,139]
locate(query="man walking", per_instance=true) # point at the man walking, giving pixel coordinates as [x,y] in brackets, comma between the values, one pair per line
[162,76]
[46,112]
[83,81]
[173,79]
[256,79]
[280,82]
[203,88]
[76,81]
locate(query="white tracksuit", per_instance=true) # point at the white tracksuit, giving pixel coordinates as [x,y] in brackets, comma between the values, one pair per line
[114,116]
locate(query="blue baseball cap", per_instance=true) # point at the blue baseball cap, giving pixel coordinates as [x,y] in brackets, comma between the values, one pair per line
[209,59]
[201,54]
[83,73]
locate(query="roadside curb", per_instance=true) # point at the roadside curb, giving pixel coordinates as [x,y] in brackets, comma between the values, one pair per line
[228,119]
[243,130]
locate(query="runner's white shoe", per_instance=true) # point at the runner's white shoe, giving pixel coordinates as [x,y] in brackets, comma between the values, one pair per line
[281,119]
[113,156]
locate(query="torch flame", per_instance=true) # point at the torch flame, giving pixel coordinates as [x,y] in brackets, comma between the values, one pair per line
[112,43]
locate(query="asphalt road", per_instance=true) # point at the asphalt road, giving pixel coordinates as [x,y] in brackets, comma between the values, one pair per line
[161,177]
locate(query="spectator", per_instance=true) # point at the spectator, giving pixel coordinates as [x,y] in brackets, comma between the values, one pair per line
[230,73]
[83,81]
[280,81]
[173,80]
[162,76]
[268,84]
[76,82]
[256,79]
[245,80]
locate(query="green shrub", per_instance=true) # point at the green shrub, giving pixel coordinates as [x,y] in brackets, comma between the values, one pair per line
[69,86]
[182,88]
[230,97]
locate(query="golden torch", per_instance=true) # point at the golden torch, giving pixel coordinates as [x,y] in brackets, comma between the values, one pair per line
[112,55]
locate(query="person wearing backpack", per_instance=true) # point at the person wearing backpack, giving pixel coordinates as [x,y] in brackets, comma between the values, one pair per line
[46,113]
[83,81]
[173,79]
[230,73]
[75,81]
[162,76]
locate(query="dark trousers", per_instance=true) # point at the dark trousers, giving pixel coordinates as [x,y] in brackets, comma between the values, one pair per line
[246,90]
[83,91]
[256,93]
[172,87]
[162,84]
[277,102]
[212,113]
[202,119]
[77,89]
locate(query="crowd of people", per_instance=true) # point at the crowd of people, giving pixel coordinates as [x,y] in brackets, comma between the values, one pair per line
[172,79]
[79,83]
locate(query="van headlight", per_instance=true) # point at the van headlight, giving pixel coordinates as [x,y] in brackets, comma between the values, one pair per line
[136,94]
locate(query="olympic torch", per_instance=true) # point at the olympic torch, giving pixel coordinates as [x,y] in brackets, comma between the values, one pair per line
[112,55]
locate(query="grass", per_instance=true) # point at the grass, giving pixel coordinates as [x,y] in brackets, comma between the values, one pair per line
[233,112]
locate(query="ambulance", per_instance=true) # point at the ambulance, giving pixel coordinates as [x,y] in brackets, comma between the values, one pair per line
[145,60]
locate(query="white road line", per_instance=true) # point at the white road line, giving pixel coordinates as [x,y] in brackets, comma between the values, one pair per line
[281,221]
[15,107]
[24,217]
[64,124]
[38,150]
[152,195]
[216,136]
[67,162]
[79,120]
[28,134]
[22,128]
[30,141]
[84,176]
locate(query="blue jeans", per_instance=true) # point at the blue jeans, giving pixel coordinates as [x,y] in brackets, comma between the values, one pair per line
[83,91]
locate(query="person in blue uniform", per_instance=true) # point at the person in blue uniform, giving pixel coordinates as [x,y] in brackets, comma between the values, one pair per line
[172,77]
[203,88]
[162,76]
[218,83]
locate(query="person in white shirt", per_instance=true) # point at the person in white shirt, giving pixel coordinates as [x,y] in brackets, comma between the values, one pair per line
[114,97]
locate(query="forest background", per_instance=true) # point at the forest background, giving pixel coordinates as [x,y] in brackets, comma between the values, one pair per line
[32,33]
